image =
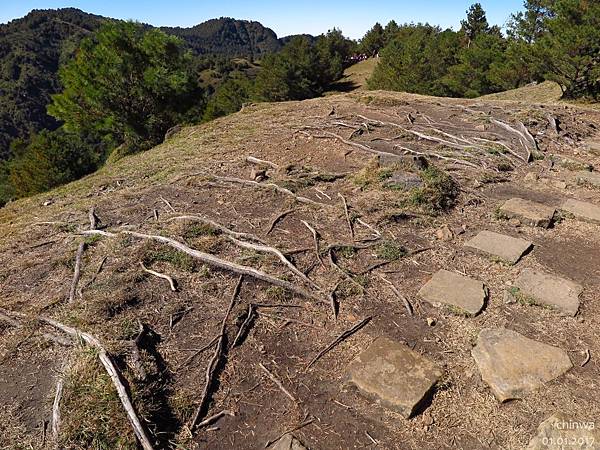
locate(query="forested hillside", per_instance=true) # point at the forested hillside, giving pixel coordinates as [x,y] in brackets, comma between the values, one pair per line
[32,49]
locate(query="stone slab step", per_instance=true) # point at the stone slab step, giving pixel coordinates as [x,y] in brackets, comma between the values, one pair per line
[548,290]
[393,375]
[528,212]
[506,248]
[514,365]
[452,289]
[288,442]
[582,210]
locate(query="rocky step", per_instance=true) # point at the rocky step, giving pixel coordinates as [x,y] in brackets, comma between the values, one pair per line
[288,442]
[582,210]
[544,289]
[394,376]
[464,294]
[589,178]
[528,212]
[506,248]
[514,365]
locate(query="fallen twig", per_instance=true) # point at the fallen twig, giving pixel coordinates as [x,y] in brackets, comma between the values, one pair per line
[244,326]
[214,417]
[93,218]
[55,423]
[315,239]
[407,304]
[348,221]
[277,218]
[160,275]
[77,271]
[588,356]
[214,362]
[98,270]
[302,425]
[345,335]
[277,382]
[166,202]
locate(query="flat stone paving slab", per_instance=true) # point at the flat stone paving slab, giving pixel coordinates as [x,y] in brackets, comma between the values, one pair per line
[394,375]
[288,442]
[561,432]
[506,248]
[549,290]
[514,365]
[449,288]
[592,178]
[583,210]
[528,212]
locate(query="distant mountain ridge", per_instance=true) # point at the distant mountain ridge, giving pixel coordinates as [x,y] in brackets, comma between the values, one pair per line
[33,47]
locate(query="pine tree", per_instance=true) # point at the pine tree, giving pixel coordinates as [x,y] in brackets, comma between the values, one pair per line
[475,24]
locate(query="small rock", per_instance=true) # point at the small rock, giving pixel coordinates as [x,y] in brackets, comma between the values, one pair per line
[528,212]
[444,233]
[431,321]
[258,174]
[531,177]
[288,442]
[559,184]
[506,248]
[582,210]
[403,181]
[459,230]
[394,375]
[549,290]
[514,365]
[457,291]
[514,222]
[47,203]
[559,431]
[509,298]
[427,420]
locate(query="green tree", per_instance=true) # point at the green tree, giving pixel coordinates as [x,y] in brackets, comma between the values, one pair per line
[52,158]
[229,96]
[530,25]
[570,49]
[390,31]
[127,82]
[373,40]
[416,59]
[475,24]
[334,52]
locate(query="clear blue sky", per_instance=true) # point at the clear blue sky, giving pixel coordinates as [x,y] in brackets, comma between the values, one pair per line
[284,17]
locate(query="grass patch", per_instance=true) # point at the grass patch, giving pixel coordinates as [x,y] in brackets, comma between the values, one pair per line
[390,251]
[439,192]
[92,415]
[178,259]
[197,230]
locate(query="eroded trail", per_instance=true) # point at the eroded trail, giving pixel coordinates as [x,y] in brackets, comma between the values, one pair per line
[370,269]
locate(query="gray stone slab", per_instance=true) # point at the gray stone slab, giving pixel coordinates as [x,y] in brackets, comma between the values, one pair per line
[288,442]
[454,290]
[561,432]
[403,181]
[514,365]
[393,375]
[583,210]
[549,290]
[528,212]
[591,178]
[507,248]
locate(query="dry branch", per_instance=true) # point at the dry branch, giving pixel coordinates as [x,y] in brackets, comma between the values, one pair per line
[217,262]
[7,316]
[215,417]
[345,335]
[253,160]
[55,423]
[280,189]
[302,425]
[244,326]
[166,202]
[77,271]
[277,218]
[407,304]
[277,382]
[160,275]
[214,362]
[93,218]
[281,256]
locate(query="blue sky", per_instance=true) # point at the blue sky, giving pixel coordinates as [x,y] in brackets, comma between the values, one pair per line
[284,17]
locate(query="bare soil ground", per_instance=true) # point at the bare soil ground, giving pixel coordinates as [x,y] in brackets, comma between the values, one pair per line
[324,149]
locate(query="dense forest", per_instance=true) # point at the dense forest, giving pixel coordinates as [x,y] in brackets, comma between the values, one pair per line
[76,89]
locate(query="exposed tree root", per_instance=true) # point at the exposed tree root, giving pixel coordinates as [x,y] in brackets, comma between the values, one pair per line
[261,162]
[160,275]
[315,236]
[214,362]
[407,304]
[77,271]
[218,227]
[345,335]
[277,218]
[278,383]
[348,220]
